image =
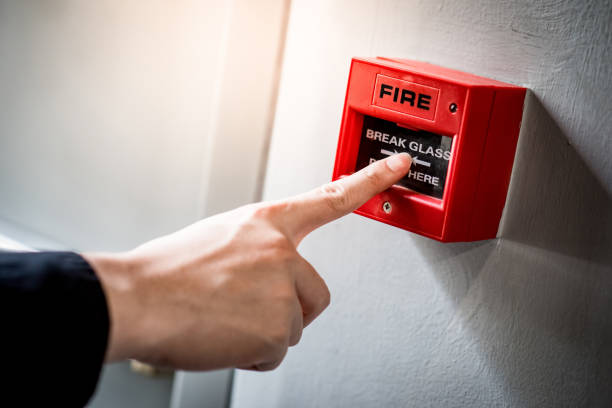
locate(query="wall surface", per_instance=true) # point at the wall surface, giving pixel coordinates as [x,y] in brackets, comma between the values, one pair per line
[521,321]
[105,109]
[118,119]
[121,120]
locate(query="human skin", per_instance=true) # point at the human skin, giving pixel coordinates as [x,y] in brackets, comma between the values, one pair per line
[230,290]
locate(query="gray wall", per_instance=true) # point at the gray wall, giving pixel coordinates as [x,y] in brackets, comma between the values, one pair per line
[521,321]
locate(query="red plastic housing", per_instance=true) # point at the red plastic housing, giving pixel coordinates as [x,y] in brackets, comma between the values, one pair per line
[481,115]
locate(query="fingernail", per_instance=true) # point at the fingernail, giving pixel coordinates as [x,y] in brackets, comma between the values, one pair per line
[399,162]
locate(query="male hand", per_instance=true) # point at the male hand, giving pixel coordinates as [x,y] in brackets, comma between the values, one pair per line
[230,290]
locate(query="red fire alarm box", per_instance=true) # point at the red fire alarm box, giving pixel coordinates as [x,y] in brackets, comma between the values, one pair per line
[461,131]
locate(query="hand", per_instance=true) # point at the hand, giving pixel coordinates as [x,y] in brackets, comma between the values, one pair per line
[230,290]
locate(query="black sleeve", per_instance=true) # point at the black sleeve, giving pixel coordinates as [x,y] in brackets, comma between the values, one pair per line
[54,327]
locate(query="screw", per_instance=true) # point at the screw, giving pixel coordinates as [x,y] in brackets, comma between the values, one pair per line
[386,207]
[453,107]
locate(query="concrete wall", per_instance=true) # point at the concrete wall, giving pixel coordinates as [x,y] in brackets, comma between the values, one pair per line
[521,321]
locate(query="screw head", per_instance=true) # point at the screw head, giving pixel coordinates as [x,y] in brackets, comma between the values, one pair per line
[386,207]
[453,107]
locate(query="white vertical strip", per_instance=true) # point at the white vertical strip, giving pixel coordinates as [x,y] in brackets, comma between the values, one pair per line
[208,153]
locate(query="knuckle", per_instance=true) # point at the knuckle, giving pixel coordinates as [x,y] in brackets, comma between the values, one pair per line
[336,196]
[270,365]
[279,250]
[281,243]
[322,300]
[325,297]
[267,210]
[278,339]
[275,333]
[287,300]
[258,211]
[295,337]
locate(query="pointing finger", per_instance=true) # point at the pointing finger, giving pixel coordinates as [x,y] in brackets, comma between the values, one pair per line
[306,212]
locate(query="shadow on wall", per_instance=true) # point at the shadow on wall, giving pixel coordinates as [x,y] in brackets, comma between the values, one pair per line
[537,303]
[554,201]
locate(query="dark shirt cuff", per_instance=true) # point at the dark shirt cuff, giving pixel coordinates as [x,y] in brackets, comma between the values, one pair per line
[55,326]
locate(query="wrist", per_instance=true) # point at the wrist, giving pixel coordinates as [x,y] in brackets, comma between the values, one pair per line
[117,274]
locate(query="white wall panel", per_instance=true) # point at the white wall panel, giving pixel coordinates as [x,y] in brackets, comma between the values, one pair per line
[124,120]
[106,116]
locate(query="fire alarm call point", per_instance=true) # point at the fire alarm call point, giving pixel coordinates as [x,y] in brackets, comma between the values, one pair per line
[461,131]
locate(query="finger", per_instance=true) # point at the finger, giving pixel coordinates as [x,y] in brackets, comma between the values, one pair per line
[297,323]
[306,212]
[267,366]
[312,292]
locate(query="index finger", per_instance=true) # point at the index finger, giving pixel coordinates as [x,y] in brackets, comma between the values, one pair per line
[306,212]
